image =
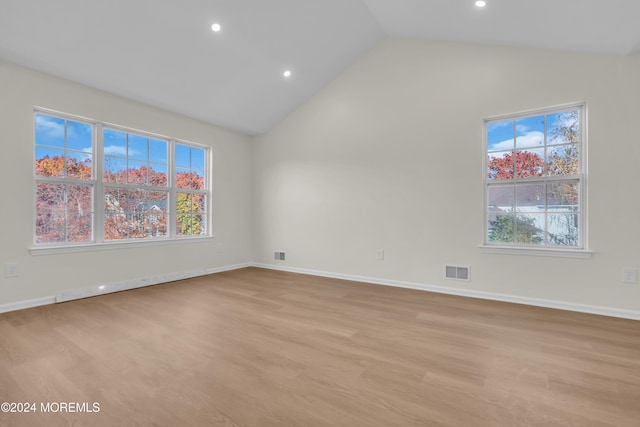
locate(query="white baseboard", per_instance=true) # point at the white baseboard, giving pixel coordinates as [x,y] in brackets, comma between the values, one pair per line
[108,288]
[154,280]
[142,282]
[22,305]
[213,270]
[560,305]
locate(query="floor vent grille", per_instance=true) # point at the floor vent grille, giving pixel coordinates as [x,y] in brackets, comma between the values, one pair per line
[456,272]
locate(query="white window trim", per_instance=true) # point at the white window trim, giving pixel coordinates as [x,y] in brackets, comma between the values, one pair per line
[533,251]
[581,252]
[118,244]
[98,243]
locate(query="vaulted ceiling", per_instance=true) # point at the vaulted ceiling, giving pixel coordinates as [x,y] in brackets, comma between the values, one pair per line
[164,53]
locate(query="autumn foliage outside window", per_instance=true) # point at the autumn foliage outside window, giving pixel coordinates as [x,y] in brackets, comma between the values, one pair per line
[144,182]
[136,193]
[534,179]
[64,180]
[191,208]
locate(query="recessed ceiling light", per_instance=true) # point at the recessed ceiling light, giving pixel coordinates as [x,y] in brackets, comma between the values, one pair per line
[287,73]
[216,27]
[481,3]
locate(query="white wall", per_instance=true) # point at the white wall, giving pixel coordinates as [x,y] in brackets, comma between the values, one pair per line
[389,156]
[45,275]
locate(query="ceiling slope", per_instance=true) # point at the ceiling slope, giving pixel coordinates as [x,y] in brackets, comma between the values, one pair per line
[164,53]
[596,26]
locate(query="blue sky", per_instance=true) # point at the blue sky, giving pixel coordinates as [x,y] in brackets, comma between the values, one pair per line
[120,148]
[189,157]
[524,133]
[138,148]
[149,149]
[50,131]
[50,137]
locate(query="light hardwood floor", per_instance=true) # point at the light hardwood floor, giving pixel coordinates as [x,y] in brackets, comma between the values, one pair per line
[256,347]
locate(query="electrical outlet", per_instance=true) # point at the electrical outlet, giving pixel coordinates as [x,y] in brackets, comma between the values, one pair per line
[629,275]
[10,270]
[380,254]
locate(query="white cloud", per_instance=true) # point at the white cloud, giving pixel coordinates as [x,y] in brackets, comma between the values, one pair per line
[498,125]
[507,144]
[114,150]
[49,128]
[532,139]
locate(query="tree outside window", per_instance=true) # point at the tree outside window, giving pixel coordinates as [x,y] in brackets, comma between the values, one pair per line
[533,182]
[138,184]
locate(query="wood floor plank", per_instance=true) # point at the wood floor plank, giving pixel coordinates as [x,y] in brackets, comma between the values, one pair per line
[256,347]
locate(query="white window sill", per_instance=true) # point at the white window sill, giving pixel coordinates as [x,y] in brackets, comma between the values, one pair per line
[63,249]
[549,252]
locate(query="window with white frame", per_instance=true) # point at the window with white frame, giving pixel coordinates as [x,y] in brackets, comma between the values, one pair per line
[98,183]
[534,186]
[65,183]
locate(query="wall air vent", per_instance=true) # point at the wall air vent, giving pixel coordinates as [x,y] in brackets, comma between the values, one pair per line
[456,272]
[278,256]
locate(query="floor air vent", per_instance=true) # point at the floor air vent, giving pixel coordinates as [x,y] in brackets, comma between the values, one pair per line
[456,272]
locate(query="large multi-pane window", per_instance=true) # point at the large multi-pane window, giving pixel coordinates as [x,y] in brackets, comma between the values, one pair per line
[534,181]
[99,183]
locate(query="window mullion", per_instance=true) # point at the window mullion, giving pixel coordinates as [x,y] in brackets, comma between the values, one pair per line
[515,151]
[536,179]
[98,202]
[546,210]
[515,212]
[171,180]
